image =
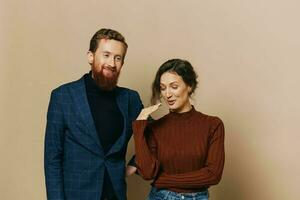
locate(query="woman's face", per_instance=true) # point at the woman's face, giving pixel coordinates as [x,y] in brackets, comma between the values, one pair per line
[175,92]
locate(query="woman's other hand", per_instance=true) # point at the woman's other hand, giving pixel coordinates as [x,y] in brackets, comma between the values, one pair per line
[130,170]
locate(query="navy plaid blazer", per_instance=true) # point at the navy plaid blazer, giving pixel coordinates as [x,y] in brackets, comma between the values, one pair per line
[74,160]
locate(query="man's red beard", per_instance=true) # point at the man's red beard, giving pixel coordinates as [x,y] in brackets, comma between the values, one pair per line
[104,82]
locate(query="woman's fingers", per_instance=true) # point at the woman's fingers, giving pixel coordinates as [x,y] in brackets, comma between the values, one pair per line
[148,111]
[154,107]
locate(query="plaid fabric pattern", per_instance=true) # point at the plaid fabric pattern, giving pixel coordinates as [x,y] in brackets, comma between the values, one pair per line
[74,161]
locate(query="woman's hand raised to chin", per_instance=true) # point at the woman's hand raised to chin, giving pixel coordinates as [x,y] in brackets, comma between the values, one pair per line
[144,114]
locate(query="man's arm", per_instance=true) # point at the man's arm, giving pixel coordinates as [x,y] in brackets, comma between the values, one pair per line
[54,139]
[137,102]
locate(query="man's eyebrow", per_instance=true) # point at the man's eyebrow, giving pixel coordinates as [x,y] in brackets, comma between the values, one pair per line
[111,53]
[106,52]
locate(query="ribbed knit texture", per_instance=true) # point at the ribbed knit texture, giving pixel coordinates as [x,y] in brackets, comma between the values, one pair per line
[182,152]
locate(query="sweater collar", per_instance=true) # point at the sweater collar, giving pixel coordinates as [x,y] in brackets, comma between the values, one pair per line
[183,114]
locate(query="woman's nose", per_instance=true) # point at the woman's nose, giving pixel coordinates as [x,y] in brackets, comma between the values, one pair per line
[168,93]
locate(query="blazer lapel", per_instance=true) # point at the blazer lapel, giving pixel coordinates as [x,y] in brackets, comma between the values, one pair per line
[81,102]
[122,101]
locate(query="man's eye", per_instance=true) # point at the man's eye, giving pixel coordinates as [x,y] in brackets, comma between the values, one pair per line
[118,59]
[175,87]
[106,55]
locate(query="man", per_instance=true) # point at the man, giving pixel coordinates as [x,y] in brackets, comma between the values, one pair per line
[89,126]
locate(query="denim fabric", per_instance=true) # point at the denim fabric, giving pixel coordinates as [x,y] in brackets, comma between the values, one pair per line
[156,194]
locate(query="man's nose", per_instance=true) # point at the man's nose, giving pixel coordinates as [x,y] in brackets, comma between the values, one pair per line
[112,62]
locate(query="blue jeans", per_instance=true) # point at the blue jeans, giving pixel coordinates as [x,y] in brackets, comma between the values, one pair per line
[156,194]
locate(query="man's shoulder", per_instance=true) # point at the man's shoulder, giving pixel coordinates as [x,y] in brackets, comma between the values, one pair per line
[69,85]
[133,98]
[128,91]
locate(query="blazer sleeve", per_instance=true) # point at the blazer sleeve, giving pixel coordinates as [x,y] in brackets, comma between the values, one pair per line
[137,104]
[53,152]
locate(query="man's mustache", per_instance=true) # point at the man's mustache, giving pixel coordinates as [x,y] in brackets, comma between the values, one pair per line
[113,69]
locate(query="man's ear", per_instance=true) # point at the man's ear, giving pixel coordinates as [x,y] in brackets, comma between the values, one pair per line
[90,57]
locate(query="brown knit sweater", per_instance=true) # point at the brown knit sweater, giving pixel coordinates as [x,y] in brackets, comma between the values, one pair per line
[182,152]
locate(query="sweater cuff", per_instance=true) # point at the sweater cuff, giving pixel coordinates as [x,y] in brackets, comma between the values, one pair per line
[139,126]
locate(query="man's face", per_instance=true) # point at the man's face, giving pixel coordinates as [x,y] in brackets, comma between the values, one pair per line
[106,63]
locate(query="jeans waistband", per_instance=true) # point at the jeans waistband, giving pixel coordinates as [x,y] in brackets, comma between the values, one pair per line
[169,193]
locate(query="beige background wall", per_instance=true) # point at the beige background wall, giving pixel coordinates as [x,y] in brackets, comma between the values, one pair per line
[246,54]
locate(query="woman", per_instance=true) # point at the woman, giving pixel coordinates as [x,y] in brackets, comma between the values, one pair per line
[182,152]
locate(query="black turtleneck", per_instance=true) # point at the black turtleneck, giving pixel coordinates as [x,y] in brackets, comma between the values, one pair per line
[105,111]
[108,120]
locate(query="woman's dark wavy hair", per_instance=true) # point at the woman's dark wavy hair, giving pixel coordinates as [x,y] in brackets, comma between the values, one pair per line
[181,67]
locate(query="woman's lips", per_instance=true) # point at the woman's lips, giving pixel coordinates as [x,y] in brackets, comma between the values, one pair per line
[171,102]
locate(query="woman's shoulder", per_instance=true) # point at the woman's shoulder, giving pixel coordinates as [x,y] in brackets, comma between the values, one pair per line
[210,119]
